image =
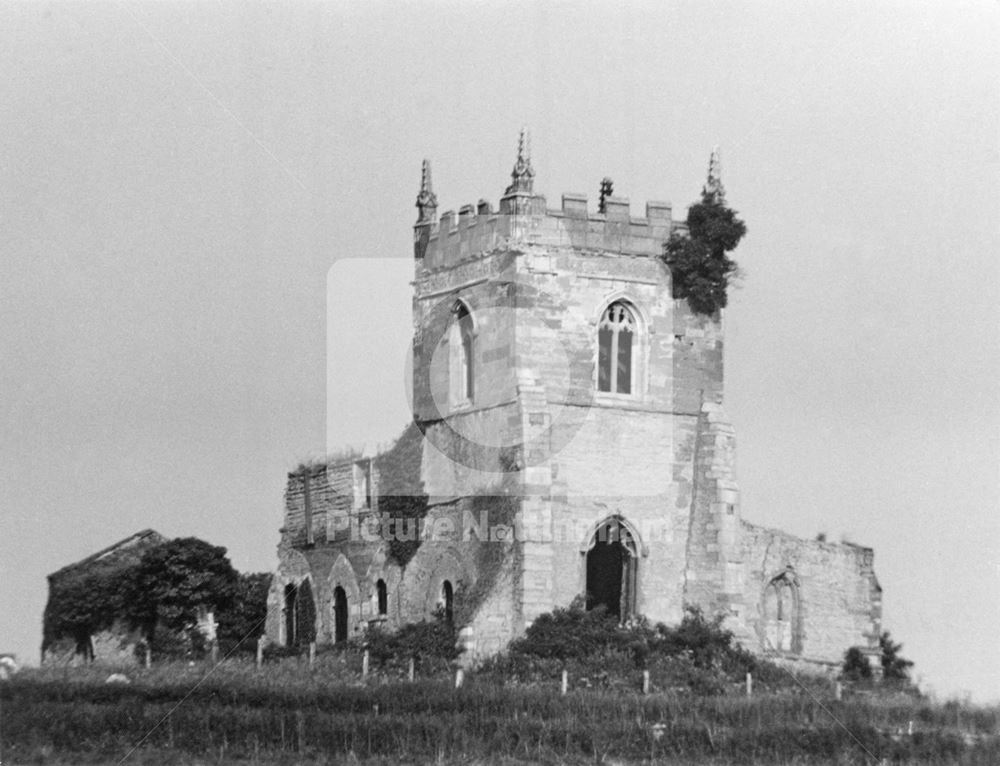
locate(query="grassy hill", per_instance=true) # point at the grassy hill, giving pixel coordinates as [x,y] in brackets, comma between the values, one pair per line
[287,712]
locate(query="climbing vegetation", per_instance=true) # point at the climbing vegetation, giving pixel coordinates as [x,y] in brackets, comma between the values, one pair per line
[401,494]
[160,593]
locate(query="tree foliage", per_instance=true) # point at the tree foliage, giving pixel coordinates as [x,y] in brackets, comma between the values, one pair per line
[431,643]
[242,622]
[175,580]
[699,265]
[856,666]
[894,667]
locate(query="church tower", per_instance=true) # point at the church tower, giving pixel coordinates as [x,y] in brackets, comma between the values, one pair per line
[550,355]
[568,442]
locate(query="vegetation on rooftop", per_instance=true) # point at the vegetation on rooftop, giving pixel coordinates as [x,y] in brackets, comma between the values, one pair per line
[699,262]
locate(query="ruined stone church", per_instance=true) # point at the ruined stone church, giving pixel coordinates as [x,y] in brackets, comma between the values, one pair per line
[569,440]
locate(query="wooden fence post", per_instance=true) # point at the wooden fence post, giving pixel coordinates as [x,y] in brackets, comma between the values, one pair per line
[148,656]
[565,682]
[838,691]
[260,651]
[459,678]
[364,664]
[412,669]
[645,682]
[749,685]
[312,653]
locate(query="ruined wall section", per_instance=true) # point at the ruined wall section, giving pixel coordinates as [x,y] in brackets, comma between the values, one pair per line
[839,599]
[476,559]
[321,500]
[118,645]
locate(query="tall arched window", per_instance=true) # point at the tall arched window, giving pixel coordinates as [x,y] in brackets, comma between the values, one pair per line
[781,615]
[615,341]
[463,373]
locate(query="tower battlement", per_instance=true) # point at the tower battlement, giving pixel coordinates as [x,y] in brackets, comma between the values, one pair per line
[524,217]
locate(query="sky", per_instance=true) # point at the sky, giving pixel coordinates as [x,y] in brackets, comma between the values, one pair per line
[186,186]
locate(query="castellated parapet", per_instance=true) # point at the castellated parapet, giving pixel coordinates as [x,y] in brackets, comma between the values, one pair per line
[527,219]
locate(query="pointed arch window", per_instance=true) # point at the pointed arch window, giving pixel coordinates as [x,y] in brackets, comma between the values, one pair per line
[616,334]
[461,341]
[781,616]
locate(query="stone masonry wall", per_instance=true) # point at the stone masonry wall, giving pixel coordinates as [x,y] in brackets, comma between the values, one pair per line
[839,596]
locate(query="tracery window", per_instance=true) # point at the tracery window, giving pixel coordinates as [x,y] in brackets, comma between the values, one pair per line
[616,334]
[781,618]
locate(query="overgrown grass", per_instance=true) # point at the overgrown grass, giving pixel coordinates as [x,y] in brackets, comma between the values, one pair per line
[287,712]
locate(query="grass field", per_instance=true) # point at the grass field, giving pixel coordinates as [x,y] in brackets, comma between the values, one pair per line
[289,713]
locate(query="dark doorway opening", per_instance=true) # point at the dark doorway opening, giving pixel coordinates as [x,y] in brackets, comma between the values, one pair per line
[448,601]
[611,570]
[339,615]
[85,647]
[383,598]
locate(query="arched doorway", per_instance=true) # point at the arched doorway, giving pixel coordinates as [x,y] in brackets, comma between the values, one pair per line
[339,615]
[612,558]
[291,614]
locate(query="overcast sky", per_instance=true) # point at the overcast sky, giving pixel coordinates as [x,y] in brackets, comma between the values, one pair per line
[180,183]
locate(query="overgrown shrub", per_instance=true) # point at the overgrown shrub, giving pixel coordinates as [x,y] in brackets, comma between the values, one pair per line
[856,666]
[707,643]
[574,633]
[698,654]
[433,645]
[275,652]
